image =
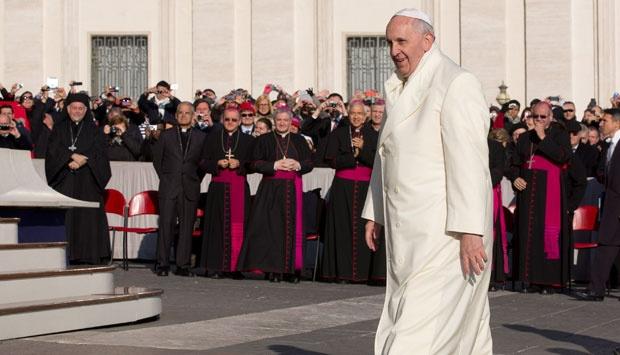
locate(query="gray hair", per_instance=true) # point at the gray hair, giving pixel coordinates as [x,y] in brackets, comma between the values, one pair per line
[423,27]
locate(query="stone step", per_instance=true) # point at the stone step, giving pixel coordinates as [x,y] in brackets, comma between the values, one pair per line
[32,257]
[8,230]
[121,305]
[37,285]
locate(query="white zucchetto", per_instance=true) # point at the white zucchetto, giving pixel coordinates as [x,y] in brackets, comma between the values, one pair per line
[415,13]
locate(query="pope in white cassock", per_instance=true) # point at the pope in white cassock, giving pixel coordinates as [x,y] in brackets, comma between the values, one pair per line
[431,191]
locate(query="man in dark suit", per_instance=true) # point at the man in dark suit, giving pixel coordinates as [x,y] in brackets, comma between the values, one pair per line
[587,154]
[330,115]
[176,161]
[158,103]
[609,229]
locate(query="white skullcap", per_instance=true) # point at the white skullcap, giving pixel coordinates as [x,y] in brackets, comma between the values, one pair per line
[415,13]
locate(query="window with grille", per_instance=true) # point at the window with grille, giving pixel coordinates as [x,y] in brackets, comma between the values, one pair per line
[368,63]
[120,61]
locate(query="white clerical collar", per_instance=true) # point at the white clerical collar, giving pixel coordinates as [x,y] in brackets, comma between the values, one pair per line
[282,134]
[184,130]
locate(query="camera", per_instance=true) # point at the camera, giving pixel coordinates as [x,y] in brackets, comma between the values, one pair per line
[332,104]
[75,83]
[5,127]
[114,89]
[20,85]
[126,101]
[113,131]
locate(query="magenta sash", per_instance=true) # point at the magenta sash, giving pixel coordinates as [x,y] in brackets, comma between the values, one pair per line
[292,175]
[237,210]
[498,212]
[553,206]
[359,173]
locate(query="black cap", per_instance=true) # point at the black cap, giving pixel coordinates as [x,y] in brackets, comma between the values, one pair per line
[79,97]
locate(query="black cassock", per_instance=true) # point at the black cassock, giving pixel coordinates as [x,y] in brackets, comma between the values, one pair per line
[273,242]
[497,166]
[543,226]
[225,221]
[346,255]
[86,228]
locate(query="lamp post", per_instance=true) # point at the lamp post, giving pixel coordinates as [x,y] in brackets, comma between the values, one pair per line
[503,96]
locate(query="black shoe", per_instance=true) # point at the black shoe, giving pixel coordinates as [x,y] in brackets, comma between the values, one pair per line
[162,272]
[183,271]
[589,296]
[617,351]
[275,277]
[237,275]
[294,279]
[216,275]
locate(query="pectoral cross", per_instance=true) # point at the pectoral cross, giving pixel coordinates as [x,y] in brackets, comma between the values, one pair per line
[530,162]
[229,155]
[72,147]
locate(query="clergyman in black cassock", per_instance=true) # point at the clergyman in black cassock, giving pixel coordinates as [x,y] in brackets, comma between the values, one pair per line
[497,165]
[274,241]
[226,157]
[539,165]
[176,161]
[351,151]
[76,165]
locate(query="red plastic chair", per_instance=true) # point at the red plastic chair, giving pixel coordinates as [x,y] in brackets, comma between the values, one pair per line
[142,203]
[115,203]
[584,219]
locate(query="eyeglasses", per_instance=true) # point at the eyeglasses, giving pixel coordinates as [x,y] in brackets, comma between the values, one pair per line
[247,115]
[542,117]
[569,110]
[228,119]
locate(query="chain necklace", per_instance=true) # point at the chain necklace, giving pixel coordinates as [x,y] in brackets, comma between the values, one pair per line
[72,147]
[229,153]
[288,141]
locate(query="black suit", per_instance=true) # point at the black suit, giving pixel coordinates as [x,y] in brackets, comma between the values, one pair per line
[609,229]
[589,156]
[319,130]
[151,110]
[177,162]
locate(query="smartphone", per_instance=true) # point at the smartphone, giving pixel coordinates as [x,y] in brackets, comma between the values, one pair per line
[52,82]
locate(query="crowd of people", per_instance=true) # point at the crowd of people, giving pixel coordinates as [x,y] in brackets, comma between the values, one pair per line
[550,155]
[281,137]
[544,149]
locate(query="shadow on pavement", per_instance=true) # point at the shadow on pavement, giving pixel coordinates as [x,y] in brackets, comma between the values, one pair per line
[592,345]
[291,350]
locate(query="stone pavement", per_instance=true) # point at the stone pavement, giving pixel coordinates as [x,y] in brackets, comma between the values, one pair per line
[206,316]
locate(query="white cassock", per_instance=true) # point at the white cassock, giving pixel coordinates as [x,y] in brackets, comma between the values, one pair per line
[431,182]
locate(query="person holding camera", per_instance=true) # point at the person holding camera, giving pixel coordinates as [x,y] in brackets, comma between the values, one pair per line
[124,139]
[202,116]
[326,118]
[11,135]
[158,103]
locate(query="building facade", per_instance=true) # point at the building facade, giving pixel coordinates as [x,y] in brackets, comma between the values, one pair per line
[567,48]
